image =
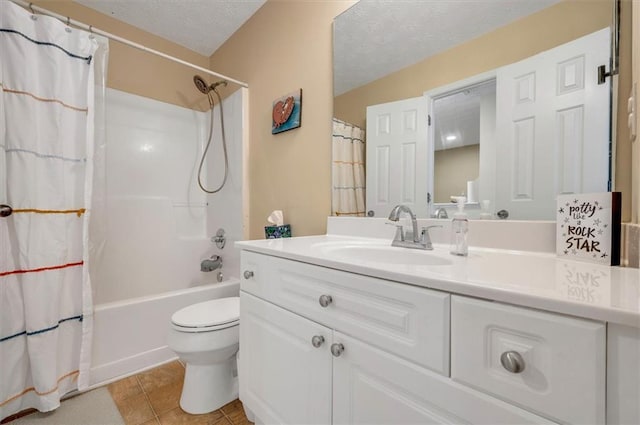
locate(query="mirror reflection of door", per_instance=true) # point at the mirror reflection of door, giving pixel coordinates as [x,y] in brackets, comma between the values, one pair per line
[553,127]
[396,149]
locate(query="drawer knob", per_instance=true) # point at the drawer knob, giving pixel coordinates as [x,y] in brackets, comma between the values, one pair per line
[317,340]
[512,361]
[248,274]
[337,349]
[325,300]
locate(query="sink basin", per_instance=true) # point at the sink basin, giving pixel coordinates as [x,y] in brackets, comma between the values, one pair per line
[383,254]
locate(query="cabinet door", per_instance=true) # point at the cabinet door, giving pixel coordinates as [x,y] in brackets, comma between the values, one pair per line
[284,379]
[371,386]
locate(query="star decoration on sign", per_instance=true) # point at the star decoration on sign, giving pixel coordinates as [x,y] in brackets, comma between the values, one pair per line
[597,222]
[575,201]
[561,210]
[566,252]
[604,255]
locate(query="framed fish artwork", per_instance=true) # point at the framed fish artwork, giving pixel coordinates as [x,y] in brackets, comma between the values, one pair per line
[286,112]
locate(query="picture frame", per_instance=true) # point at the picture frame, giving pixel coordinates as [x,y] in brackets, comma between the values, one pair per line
[588,227]
[286,112]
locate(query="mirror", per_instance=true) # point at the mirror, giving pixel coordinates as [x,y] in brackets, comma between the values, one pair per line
[439,52]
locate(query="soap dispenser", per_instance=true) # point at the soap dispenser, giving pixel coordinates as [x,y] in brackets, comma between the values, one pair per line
[459,229]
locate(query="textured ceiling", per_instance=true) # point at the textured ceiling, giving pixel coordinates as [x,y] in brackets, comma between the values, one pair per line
[376,37]
[200,25]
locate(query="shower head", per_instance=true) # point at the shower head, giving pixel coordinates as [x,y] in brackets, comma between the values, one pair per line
[202,85]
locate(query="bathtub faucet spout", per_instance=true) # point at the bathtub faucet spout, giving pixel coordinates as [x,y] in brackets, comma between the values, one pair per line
[211,264]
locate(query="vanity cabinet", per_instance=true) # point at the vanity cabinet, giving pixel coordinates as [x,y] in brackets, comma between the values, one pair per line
[373,352]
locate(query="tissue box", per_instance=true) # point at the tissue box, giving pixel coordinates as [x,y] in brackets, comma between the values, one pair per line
[273,232]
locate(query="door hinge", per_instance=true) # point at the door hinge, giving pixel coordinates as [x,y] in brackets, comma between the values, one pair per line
[428,119]
[603,74]
[428,197]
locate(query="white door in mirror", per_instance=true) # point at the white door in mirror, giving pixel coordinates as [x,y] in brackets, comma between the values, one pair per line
[537,160]
[396,140]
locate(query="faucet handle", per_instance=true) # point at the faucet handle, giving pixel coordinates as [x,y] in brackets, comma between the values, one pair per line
[425,239]
[399,236]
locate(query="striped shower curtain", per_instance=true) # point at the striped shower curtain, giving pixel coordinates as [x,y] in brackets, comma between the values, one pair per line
[46,165]
[348,170]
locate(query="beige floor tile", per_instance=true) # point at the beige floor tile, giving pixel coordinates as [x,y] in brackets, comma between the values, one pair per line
[124,388]
[161,376]
[165,398]
[235,412]
[135,410]
[222,421]
[179,417]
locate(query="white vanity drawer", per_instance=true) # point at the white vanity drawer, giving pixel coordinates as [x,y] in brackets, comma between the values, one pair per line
[563,358]
[402,319]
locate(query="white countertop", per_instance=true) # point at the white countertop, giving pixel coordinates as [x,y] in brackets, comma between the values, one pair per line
[530,279]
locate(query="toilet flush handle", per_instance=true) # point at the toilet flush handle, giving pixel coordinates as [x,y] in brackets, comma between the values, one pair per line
[248,274]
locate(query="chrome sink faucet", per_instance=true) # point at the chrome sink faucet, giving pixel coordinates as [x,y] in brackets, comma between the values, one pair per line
[409,239]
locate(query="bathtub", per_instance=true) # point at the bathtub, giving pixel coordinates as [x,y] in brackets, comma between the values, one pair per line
[130,336]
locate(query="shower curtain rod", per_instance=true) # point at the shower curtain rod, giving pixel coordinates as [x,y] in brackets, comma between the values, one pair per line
[130,43]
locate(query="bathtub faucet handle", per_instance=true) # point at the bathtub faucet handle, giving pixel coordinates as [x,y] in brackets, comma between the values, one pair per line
[211,264]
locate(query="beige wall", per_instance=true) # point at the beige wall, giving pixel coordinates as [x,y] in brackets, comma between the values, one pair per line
[285,46]
[452,169]
[135,71]
[531,35]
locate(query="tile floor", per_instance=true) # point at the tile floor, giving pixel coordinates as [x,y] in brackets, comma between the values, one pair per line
[152,398]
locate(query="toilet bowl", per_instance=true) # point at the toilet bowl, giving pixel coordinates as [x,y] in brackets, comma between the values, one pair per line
[205,337]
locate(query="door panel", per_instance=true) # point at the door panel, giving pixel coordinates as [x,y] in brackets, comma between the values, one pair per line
[552,127]
[397,140]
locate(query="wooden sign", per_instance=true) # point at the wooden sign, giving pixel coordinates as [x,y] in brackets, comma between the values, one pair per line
[588,227]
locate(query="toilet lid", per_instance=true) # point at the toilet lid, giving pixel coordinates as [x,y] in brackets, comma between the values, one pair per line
[209,313]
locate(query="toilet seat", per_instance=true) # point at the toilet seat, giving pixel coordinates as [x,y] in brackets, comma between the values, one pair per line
[208,316]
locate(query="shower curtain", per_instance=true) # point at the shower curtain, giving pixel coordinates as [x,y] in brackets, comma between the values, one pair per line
[46,168]
[348,170]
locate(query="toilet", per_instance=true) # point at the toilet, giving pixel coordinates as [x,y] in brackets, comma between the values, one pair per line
[205,336]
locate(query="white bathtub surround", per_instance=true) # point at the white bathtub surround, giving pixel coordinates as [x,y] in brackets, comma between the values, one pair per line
[131,335]
[228,209]
[156,224]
